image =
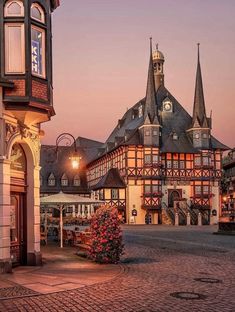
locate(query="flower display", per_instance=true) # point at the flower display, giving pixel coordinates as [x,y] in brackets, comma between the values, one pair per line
[106,236]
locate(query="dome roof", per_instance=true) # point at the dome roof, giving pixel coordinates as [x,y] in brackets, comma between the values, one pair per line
[158,55]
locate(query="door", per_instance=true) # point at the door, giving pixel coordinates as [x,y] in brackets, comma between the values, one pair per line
[18,229]
[174,195]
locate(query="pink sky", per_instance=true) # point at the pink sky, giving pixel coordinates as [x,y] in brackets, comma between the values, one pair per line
[101,50]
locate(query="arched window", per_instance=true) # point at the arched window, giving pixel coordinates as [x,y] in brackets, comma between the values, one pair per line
[64,180]
[37,13]
[76,180]
[14,8]
[51,180]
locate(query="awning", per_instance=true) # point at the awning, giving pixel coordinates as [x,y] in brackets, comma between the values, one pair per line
[68,199]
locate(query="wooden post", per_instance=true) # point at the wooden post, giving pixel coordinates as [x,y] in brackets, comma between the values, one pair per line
[61,226]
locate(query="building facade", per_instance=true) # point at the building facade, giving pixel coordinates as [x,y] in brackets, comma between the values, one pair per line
[228,187]
[25,102]
[168,160]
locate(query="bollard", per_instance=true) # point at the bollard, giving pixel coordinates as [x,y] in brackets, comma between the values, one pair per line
[188,219]
[199,219]
[176,219]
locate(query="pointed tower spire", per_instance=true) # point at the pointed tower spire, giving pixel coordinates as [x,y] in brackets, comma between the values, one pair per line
[199,110]
[150,110]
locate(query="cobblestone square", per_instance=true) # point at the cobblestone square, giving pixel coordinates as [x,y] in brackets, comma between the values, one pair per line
[164,269]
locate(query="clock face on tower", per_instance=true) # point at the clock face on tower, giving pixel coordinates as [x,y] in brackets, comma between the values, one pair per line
[167,107]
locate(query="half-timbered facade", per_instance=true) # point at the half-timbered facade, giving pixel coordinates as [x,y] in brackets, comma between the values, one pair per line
[168,160]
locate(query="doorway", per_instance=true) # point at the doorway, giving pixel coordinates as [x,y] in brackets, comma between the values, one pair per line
[174,195]
[18,208]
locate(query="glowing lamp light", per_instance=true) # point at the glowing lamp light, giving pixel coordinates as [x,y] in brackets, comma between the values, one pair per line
[224,198]
[75,161]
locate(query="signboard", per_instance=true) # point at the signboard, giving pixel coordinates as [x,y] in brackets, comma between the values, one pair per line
[134,212]
[36,57]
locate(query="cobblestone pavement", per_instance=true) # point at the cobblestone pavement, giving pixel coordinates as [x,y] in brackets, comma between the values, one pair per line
[159,263]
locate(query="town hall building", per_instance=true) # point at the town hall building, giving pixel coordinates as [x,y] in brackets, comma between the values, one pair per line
[158,166]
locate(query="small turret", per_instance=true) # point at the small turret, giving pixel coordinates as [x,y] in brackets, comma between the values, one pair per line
[158,62]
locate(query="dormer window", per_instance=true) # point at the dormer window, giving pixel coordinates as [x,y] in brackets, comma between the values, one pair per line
[175,136]
[155,132]
[133,116]
[76,180]
[64,180]
[14,9]
[140,111]
[51,180]
[147,133]
[37,13]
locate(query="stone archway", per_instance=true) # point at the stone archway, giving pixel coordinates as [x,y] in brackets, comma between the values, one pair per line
[174,195]
[29,197]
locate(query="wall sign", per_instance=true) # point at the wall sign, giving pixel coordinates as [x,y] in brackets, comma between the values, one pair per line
[36,58]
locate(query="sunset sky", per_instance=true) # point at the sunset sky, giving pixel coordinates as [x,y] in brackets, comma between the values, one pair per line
[101,51]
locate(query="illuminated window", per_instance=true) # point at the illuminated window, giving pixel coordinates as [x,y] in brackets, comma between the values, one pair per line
[37,13]
[155,159]
[76,180]
[38,51]
[64,180]
[51,180]
[14,41]
[140,111]
[14,8]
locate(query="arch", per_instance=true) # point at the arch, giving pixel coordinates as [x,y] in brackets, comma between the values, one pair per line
[64,180]
[37,12]
[173,196]
[14,8]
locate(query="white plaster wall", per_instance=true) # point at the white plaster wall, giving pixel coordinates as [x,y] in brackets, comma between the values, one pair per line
[134,201]
[215,204]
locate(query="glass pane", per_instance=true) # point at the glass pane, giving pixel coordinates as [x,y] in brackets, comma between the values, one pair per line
[14,49]
[38,52]
[13,9]
[35,13]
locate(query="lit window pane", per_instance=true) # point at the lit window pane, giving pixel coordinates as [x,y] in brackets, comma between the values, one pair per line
[14,48]
[38,52]
[37,13]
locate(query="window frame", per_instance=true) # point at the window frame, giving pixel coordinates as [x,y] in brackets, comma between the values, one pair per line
[6,56]
[8,3]
[41,10]
[44,72]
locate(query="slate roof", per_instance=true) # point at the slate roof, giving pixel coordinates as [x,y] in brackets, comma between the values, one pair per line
[111,179]
[60,164]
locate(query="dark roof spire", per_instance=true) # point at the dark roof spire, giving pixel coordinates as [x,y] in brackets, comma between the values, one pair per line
[199,110]
[150,110]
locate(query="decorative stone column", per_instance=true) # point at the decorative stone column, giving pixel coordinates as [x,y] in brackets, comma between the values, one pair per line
[88,211]
[73,213]
[92,210]
[5,202]
[83,211]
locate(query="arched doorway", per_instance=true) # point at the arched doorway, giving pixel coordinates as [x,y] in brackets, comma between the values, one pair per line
[174,195]
[18,208]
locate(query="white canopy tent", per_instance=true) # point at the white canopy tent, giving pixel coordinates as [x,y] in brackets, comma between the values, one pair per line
[61,200]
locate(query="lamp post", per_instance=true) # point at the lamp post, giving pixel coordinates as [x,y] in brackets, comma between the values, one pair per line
[75,162]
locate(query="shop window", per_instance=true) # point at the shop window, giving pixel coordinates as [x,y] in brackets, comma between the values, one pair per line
[37,13]
[38,51]
[114,193]
[76,180]
[64,180]
[14,41]
[14,8]
[51,180]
